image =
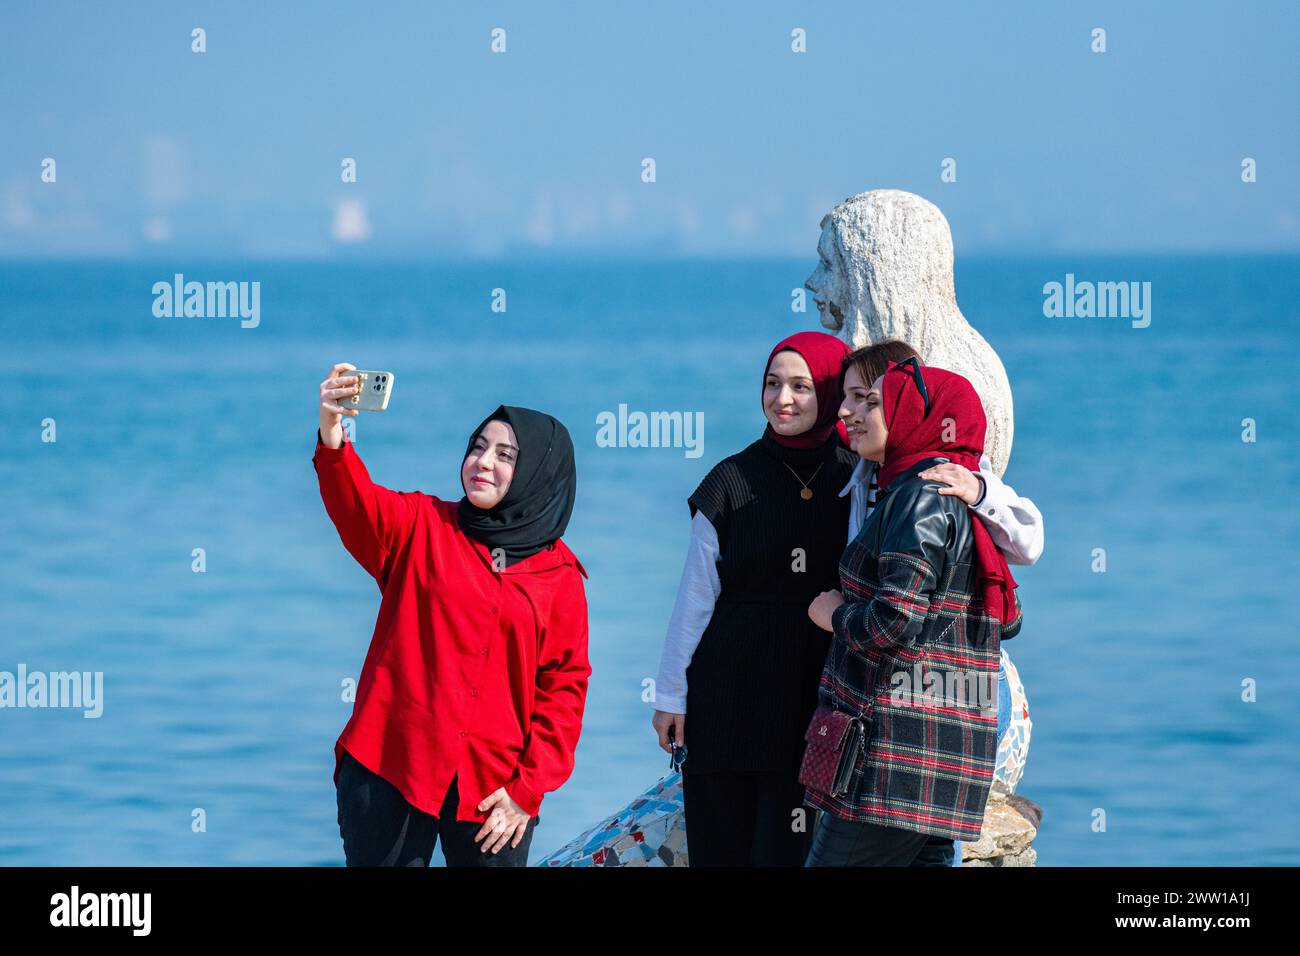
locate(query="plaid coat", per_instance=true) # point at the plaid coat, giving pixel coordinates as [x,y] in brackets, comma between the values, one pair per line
[914,652]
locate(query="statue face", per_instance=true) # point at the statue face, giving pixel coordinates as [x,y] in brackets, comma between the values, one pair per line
[827,283]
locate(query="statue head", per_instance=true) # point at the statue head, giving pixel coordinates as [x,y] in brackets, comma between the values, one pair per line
[884,272]
[883,255]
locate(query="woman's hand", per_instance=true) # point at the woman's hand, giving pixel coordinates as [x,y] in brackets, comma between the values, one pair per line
[506,821]
[331,412]
[823,606]
[962,482]
[666,723]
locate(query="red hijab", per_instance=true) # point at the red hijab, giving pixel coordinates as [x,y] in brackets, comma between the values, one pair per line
[823,353]
[953,428]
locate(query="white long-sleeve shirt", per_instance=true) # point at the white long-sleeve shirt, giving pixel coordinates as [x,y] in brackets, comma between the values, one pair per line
[1014,523]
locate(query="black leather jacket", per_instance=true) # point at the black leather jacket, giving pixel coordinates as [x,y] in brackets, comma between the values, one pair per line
[913,620]
[938,527]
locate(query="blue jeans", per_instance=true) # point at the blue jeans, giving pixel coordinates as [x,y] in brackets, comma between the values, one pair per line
[1004,721]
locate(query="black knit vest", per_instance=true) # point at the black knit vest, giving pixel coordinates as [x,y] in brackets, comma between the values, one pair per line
[752,681]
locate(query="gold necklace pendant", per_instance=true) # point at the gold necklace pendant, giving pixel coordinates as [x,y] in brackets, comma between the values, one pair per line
[806,492]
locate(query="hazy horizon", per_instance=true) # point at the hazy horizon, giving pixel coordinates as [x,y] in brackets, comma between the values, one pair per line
[237,152]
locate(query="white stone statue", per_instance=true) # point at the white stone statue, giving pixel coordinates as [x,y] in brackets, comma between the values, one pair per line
[886,273]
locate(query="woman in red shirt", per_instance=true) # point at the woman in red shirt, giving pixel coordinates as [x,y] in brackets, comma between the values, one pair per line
[470,701]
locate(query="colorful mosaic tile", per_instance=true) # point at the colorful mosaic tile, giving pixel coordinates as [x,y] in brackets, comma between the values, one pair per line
[649,831]
[1013,751]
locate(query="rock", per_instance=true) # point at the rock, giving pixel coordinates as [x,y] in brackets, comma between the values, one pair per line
[1010,825]
[1026,857]
[1027,809]
[886,273]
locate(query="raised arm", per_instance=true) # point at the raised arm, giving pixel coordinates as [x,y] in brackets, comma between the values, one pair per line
[562,672]
[911,562]
[372,521]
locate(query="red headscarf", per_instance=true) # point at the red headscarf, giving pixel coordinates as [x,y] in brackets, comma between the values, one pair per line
[953,428]
[823,353]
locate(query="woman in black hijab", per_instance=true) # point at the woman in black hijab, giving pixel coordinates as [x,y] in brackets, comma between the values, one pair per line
[535,510]
[470,701]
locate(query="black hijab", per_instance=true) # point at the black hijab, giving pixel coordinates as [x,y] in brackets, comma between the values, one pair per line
[535,509]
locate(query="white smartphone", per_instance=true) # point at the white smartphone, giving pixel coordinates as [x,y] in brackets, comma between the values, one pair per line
[376,390]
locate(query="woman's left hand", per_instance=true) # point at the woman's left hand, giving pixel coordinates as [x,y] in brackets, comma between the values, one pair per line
[823,606]
[961,480]
[507,821]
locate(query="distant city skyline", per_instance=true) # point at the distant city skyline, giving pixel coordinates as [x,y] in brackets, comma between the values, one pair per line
[539,150]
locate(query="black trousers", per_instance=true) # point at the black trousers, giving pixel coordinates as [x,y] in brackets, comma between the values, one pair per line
[745,819]
[379,828]
[839,842]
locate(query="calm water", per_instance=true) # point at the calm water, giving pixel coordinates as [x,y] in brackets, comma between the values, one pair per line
[222,689]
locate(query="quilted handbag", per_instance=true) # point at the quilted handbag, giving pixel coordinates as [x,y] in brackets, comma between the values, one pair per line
[831,747]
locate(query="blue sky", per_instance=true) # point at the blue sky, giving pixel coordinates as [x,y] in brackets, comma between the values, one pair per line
[462,152]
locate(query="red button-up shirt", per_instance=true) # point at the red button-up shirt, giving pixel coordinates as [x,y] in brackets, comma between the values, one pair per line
[472,672]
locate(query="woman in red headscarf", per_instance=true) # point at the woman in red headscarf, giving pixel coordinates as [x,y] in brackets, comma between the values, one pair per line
[741,660]
[925,598]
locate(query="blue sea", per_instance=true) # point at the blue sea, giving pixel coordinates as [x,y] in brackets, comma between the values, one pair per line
[222,690]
